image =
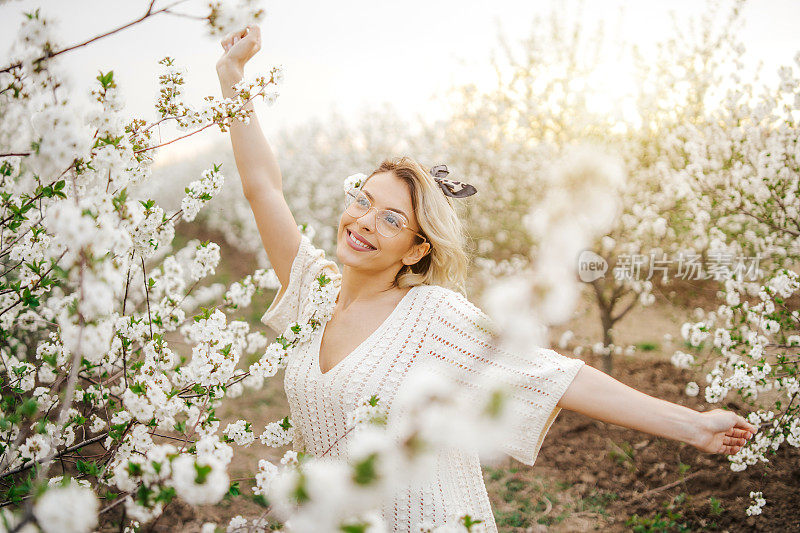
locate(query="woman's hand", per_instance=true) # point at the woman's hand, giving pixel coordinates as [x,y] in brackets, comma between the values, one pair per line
[239,47]
[721,431]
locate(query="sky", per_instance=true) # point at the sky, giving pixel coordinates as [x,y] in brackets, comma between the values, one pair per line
[350,55]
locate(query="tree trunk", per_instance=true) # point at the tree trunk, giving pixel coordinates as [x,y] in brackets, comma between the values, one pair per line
[607,324]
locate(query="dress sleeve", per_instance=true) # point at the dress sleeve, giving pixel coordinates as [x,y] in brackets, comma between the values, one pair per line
[298,442]
[460,337]
[287,306]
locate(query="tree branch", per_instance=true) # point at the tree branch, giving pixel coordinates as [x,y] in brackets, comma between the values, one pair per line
[150,13]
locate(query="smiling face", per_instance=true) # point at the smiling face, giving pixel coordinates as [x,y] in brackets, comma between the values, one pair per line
[387,191]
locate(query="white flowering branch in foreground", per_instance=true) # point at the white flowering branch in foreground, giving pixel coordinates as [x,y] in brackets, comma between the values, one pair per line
[92,294]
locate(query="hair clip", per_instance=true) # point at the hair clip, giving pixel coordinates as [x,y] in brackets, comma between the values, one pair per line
[456,189]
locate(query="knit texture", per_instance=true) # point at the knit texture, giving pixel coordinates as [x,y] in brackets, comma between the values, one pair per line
[430,325]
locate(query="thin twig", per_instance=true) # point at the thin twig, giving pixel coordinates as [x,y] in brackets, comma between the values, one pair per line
[147,295]
[120,499]
[58,455]
[197,130]
[34,285]
[664,487]
[149,13]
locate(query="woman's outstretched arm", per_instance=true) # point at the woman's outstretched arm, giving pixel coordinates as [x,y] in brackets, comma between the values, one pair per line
[258,167]
[598,395]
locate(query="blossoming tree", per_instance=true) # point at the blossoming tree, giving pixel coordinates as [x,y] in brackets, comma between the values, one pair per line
[552,92]
[93,294]
[741,164]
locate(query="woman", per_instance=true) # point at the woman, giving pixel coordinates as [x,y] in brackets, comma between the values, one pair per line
[401,244]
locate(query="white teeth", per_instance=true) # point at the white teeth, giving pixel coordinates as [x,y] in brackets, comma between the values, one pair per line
[358,242]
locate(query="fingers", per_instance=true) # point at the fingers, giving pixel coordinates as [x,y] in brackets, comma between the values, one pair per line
[742,433]
[729,450]
[734,441]
[236,37]
[254,35]
[233,37]
[255,30]
[227,42]
[741,422]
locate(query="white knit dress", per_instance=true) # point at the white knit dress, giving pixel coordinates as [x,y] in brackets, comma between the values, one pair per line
[431,323]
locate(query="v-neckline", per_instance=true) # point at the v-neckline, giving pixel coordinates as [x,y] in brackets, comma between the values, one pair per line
[317,353]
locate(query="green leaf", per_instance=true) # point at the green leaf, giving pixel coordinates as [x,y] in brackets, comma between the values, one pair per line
[106,80]
[202,473]
[365,471]
[87,467]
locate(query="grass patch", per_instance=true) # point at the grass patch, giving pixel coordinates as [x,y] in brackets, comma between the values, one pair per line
[672,519]
[494,473]
[658,523]
[522,500]
[623,455]
[597,501]
[647,346]
[715,506]
[510,519]
[515,485]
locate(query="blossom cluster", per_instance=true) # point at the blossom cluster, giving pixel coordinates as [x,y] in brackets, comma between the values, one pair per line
[758,503]
[94,291]
[214,111]
[199,192]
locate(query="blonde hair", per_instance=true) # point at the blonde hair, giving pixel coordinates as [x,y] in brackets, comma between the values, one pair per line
[446,262]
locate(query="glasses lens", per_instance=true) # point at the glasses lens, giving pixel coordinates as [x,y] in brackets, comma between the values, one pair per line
[389,223]
[356,203]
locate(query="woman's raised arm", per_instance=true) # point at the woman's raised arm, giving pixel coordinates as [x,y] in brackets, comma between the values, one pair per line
[598,395]
[257,164]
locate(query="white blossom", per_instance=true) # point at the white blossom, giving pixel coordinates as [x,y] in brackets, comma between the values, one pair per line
[72,508]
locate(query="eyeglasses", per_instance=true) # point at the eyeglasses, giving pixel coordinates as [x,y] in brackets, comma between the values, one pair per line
[388,223]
